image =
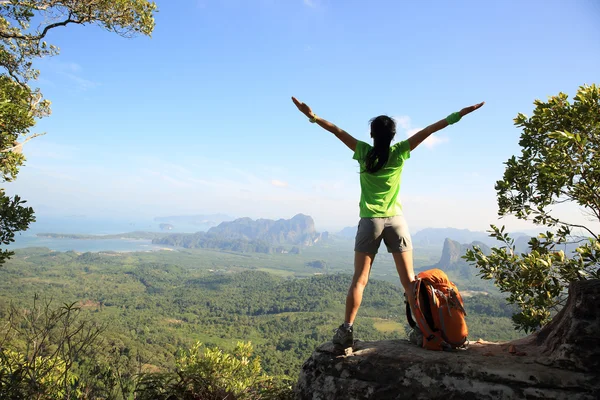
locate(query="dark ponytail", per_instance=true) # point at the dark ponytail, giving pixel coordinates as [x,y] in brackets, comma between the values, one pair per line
[383,130]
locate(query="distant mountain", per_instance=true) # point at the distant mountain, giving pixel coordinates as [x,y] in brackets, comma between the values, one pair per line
[299,230]
[437,236]
[348,232]
[247,235]
[522,244]
[466,275]
[452,263]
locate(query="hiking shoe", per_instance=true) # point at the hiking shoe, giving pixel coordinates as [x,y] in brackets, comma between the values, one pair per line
[343,337]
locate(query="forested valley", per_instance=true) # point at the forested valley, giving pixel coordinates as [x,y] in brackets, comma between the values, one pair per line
[152,305]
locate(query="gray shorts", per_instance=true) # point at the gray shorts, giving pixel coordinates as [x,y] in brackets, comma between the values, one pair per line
[392,230]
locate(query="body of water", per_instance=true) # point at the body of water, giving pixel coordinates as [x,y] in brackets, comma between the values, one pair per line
[103,226]
[93,226]
[84,245]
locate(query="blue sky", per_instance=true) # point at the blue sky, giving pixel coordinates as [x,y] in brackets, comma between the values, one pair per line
[198,119]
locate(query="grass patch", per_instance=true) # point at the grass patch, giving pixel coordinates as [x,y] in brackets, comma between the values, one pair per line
[386,325]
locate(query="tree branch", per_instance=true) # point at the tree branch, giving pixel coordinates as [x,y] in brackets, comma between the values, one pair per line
[45,31]
[580,240]
[562,201]
[557,221]
[17,148]
[57,24]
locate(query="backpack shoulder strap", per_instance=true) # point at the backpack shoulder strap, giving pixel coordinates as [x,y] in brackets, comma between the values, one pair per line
[428,333]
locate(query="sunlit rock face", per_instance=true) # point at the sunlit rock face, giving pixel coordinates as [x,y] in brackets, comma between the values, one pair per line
[559,362]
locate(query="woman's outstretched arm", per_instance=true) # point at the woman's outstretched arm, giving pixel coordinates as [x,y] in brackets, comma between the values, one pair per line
[423,134]
[341,134]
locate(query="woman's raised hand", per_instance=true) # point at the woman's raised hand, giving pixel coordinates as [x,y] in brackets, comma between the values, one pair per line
[470,109]
[304,109]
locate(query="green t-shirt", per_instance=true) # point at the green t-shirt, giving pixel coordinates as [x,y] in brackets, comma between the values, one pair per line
[379,191]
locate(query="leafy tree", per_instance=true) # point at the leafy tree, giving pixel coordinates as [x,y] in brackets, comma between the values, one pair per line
[559,163]
[14,217]
[211,373]
[24,25]
[40,349]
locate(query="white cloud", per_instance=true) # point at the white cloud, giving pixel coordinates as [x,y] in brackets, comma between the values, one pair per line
[404,122]
[434,140]
[310,3]
[69,67]
[72,71]
[82,83]
[278,183]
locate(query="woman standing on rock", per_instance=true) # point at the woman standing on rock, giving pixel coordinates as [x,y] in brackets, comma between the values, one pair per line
[381,216]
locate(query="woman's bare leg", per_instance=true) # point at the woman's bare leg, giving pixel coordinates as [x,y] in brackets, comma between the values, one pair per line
[362,268]
[404,266]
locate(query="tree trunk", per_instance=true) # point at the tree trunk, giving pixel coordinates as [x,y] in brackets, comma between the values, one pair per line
[572,339]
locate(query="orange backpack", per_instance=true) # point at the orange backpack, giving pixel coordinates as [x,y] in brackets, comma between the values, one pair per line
[439,313]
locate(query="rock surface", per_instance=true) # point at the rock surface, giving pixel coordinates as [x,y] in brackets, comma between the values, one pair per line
[559,362]
[396,369]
